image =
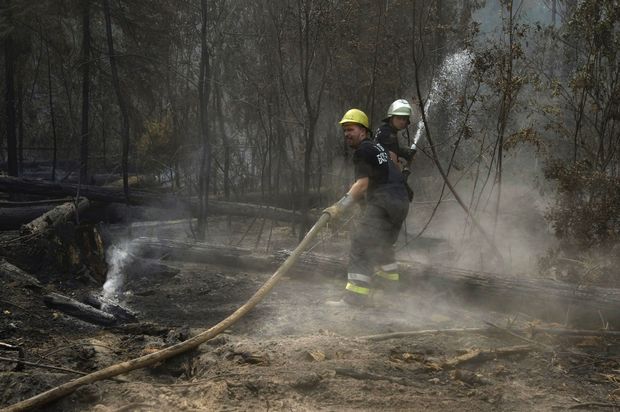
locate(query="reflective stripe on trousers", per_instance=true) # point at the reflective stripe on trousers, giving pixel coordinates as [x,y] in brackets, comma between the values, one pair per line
[388,272]
[360,290]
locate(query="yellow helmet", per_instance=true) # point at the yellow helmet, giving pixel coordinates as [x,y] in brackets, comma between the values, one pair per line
[356,116]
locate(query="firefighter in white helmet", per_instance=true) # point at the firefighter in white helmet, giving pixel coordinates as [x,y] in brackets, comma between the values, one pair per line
[380,185]
[397,119]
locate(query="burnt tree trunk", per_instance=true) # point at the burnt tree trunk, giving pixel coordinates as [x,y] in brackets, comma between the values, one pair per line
[122,104]
[51,107]
[204,92]
[85,91]
[9,96]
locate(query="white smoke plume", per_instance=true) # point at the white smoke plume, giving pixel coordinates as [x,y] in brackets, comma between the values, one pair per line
[116,258]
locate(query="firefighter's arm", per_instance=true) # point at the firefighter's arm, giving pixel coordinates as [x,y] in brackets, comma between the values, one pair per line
[359,188]
[355,193]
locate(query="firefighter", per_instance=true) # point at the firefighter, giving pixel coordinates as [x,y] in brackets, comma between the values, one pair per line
[380,185]
[397,119]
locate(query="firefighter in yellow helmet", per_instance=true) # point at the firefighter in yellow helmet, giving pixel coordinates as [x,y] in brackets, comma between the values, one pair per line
[380,183]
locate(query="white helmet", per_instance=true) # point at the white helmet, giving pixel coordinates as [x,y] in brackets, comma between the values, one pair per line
[400,107]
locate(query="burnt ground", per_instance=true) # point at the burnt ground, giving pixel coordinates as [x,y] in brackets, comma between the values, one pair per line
[294,353]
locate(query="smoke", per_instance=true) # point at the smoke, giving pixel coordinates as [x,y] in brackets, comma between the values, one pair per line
[116,258]
[519,231]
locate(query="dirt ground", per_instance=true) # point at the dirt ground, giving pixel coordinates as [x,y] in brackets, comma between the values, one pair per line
[292,352]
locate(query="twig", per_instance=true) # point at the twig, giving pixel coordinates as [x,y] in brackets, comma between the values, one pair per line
[396,335]
[523,338]
[599,404]
[547,347]
[41,365]
[250,226]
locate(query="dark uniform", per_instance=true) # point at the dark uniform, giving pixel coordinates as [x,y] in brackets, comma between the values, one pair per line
[386,136]
[386,208]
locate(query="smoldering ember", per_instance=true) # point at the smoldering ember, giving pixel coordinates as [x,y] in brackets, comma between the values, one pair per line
[310,205]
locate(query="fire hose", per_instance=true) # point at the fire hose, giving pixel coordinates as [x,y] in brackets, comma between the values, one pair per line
[182,347]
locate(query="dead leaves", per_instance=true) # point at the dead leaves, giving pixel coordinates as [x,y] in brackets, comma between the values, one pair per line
[316,356]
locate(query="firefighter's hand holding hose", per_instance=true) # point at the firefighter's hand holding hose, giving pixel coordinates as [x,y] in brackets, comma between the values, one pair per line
[335,210]
[355,193]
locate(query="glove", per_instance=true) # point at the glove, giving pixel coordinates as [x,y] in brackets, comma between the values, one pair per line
[340,206]
[407,153]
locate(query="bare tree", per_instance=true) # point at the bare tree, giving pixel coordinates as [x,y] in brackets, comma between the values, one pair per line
[204,92]
[9,97]
[85,90]
[122,104]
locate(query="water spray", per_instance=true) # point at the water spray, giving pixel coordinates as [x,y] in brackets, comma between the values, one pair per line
[455,67]
[452,75]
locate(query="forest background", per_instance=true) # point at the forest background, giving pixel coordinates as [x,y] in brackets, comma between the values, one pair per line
[226,98]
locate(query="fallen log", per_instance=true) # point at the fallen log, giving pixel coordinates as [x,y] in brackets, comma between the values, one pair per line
[17,275]
[43,203]
[14,214]
[153,248]
[491,331]
[58,215]
[114,195]
[121,313]
[12,218]
[78,310]
[133,181]
[542,298]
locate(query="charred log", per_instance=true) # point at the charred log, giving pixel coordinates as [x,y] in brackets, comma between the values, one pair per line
[49,203]
[121,313]
[112,195]
[12,218]
[546,299]
[51,219]
[17,275]
[79,310]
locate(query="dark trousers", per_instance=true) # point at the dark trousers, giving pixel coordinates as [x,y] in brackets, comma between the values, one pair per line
[373,240]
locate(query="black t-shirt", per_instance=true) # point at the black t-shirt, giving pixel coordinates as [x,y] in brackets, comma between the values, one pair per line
[388,138]
[371,160]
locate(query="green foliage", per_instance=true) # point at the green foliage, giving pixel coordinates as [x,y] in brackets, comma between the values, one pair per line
[584,159]
[587,209]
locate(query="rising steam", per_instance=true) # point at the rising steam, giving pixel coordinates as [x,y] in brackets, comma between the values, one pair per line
[116,258]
